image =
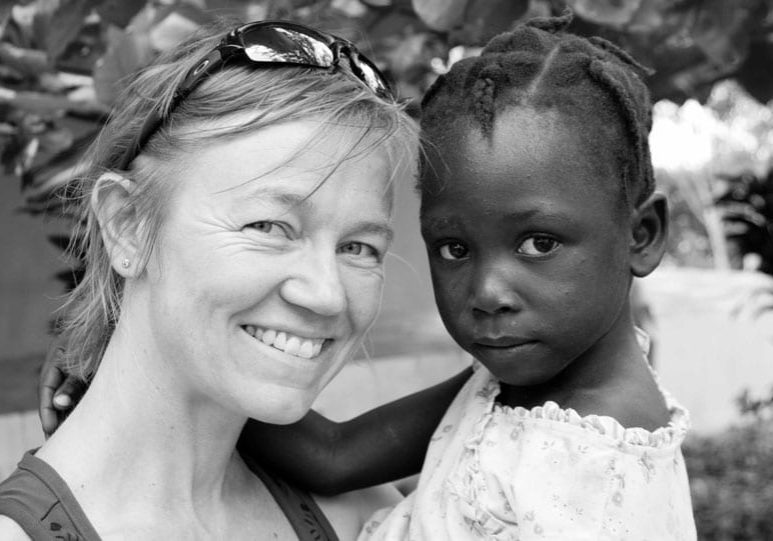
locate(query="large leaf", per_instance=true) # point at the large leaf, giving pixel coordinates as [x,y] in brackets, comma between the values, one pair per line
[755,73]
[126,52]
[28,62]
[120,12]
[442,15]
[56,28]
[722,30]
[484,19]
[607,12]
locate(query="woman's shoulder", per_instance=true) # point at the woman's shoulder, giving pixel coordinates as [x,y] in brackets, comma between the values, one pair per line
[35,498]
[10,530]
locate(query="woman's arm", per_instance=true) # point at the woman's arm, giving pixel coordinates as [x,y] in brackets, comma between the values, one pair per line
[384,444]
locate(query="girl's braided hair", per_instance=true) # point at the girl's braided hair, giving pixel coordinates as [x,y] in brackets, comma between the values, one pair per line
[539,65]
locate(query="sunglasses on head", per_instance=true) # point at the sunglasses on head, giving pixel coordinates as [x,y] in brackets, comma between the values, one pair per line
[259,43]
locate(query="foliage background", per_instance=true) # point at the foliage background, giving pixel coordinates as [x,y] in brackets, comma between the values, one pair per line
[61,61]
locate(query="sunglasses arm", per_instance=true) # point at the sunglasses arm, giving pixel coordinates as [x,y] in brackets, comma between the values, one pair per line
[208,65]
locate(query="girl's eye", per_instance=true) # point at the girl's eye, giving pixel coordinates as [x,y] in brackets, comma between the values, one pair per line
[538,245]
[453,251]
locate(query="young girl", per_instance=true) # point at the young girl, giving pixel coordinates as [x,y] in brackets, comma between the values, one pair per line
[538,209]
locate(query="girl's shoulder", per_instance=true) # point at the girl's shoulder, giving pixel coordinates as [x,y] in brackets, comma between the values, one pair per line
[607,421]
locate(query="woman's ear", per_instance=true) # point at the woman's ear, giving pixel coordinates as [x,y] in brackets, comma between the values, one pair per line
[118,223]
[649,232]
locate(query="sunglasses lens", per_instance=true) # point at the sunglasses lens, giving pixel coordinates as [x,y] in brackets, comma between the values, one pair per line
[372,77]
[277,44]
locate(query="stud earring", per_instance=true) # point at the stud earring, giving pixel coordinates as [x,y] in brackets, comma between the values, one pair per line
[126,263]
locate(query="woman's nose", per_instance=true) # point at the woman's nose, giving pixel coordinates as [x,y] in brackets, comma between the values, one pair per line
[494,289]
[315,284]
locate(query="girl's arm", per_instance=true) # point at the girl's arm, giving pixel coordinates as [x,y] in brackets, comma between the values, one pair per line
[58,392]
[384,444]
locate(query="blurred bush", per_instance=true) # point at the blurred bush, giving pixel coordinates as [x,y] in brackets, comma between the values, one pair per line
[714,161]
[730,478]
[61,61]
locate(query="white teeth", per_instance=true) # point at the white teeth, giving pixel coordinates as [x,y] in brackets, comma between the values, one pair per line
[307,348]
[268,337]
[280,341]
[293,345]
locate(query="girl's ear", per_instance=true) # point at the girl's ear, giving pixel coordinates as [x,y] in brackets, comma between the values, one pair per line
[118,223]
[649,228]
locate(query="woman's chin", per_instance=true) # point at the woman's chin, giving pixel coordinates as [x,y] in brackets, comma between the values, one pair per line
[281,412]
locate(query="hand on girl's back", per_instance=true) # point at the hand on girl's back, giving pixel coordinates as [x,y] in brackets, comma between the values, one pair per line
[58,392]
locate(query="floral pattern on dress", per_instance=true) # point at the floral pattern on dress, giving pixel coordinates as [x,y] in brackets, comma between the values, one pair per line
[514,474]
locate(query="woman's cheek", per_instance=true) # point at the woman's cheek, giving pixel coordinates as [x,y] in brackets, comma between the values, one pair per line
[364,294]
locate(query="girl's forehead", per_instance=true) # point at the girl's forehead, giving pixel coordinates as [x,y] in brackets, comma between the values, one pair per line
[542,150]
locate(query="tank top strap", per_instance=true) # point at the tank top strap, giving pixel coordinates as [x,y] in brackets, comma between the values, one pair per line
[303,513]
[39,500]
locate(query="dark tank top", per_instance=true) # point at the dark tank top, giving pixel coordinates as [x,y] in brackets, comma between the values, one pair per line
[39,500]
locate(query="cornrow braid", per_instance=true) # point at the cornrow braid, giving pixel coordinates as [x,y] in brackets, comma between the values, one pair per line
[635,118]
[539,65]
[483,102]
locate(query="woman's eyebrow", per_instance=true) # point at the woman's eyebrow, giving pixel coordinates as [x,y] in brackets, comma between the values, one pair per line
[266,194]
[376,228]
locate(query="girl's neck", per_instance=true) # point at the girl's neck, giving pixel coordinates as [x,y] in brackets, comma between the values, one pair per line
[141,431]
[615,361]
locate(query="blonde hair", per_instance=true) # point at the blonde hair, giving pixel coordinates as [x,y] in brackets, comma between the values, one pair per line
[272,94]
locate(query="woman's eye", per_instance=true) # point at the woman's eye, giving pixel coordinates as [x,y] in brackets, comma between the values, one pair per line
[453,251]
[359,249]
[268,228]
[538,245]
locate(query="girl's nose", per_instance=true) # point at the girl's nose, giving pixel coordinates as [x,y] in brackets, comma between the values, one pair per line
[315,284]
[493,289]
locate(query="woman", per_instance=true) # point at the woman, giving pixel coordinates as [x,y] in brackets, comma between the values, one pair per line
[236,211]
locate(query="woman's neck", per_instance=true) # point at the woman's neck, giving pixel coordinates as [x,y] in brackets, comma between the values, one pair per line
[140,430]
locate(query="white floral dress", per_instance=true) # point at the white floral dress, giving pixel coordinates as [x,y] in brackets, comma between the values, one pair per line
[501,473]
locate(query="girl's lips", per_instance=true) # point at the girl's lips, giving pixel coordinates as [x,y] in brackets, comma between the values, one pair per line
[502,342]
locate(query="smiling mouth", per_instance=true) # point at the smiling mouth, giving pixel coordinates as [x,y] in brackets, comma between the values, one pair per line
[298,346]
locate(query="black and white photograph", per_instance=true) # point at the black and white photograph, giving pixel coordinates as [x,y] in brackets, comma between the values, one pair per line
[386,270]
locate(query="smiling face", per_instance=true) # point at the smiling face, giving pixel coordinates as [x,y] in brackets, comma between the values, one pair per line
[528,245]
[265,278]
